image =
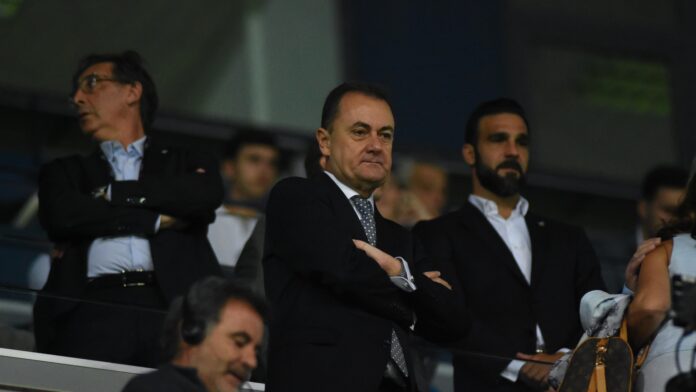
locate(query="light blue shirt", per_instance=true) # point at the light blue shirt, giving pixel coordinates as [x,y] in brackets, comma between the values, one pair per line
[114,255]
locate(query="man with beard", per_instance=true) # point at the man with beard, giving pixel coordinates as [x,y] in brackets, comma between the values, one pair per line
[523,275]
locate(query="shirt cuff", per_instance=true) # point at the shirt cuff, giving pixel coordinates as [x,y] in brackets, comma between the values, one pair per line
[108,195]
[405,280]
[157,223]
[512,371]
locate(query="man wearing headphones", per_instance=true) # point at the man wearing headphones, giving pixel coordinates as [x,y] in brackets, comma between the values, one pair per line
[211,337]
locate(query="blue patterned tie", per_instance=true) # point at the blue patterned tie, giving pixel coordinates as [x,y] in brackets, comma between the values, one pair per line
[367,219]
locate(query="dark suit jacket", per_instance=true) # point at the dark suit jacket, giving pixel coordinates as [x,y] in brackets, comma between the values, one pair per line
[168,184]
[333,307]
[168,378]
[248,270]
[504,307]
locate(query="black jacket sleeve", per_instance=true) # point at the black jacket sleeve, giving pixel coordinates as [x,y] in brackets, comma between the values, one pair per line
[69,213]
[192,195]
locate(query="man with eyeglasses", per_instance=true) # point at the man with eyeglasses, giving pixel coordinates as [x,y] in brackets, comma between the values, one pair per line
[129,221]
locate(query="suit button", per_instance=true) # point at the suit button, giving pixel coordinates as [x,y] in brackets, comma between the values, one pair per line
[142,200]
[130,200]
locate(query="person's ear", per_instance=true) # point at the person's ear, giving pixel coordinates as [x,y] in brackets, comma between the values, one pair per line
[135,93]
[324,139]
[227,169]
[469,154]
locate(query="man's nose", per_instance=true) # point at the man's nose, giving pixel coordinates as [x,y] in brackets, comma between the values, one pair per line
[511,149]
[374,142]
[250,360]
[77,98]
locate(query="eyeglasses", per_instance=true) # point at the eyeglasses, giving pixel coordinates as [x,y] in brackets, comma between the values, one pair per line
[88,83]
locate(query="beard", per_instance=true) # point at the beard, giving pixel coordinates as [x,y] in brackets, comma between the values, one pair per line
[503,186]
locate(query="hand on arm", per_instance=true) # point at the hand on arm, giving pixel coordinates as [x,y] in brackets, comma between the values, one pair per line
[652,299]
[387,263]
[192,194]
[536,375]
[435,277]
[392,266]
[68,213]
[633,267]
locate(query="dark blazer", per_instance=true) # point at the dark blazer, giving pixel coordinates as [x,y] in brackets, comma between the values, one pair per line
[504,307]
[168,378]
[172,181]
[333,307]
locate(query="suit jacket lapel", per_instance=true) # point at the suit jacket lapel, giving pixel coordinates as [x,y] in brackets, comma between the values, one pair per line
[154,158]
[97,170]
[343,208]
[539,237]
[477,223]
[384,239]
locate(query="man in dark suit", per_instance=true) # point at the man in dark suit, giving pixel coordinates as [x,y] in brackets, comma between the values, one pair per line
[523,275]
[343,306]
[129,221]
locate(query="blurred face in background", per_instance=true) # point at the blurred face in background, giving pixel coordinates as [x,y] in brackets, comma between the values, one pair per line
[429,184]
[656,213]
[253,172]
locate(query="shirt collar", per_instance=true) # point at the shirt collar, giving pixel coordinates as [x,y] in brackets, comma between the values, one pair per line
[348,191]
[489,208]
[111,147]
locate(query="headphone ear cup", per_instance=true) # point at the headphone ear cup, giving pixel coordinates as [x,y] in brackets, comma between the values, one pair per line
[192,333]
[192,329]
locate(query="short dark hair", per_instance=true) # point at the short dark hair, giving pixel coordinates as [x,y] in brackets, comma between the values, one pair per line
[204,301]
[663,177]
[685,221]
[496,106]
[311,162]
[332,101]
[248,137]
[127,68]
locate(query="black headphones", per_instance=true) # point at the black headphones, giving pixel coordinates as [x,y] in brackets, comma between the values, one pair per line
[192,328]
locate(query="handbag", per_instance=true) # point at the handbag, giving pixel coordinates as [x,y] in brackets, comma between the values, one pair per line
[602,364]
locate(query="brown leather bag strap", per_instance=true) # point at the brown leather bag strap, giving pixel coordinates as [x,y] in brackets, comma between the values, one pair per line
[642,354]
[600,375]
[592,387]
[623,332]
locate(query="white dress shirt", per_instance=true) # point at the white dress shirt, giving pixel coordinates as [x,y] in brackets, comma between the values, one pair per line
[228,234]
[514,232]
[405,280]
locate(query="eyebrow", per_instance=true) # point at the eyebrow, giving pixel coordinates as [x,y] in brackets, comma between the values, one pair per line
[362,124]
[507,133]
